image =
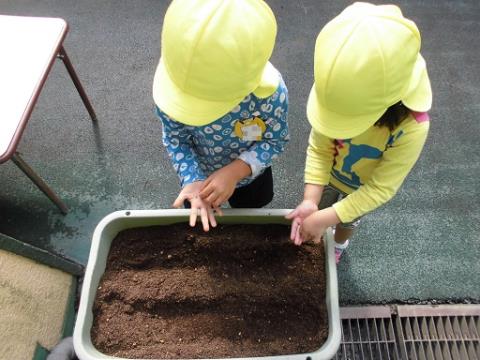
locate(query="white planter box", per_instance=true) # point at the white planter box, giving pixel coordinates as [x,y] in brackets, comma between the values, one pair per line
[112,224]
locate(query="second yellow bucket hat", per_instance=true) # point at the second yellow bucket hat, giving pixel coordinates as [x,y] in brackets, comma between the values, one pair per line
[366,59]
[214,53]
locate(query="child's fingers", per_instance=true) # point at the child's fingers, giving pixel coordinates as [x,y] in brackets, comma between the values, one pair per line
[306,236]
[219,201]
[292,214]
[211,217]
[298,237]
[206,182]
[193,216]
[204,217]
[212,198]
[207,191]
[219,211]
[293,231]
[179,200]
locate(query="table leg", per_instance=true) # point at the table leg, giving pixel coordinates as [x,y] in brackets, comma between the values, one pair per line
[37,180]
[76,81]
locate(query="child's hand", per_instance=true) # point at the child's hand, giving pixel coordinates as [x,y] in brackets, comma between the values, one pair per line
[220,185]
[306,208]
[191,193]
[311,229]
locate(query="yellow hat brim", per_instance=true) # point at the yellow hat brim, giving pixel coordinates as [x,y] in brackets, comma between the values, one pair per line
[193,111]
[268,83]
[183,107]
[419,93]
[334,125]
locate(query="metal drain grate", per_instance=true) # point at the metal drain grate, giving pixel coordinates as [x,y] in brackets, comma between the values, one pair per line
[444,332]
[368,333]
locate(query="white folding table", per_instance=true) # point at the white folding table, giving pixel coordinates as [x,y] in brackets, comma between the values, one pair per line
[28,49]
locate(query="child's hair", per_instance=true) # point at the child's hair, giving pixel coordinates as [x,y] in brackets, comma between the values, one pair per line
[394,115]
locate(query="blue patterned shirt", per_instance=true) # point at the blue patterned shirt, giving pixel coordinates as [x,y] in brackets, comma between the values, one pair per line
[198,151]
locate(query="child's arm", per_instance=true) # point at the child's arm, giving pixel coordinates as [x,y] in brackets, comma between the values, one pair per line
[319,160]
[220,186]
[311,199]
[313,227]
[177,141]
[397,161]
[320,154]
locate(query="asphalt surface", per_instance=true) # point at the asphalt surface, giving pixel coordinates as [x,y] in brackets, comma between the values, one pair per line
[422,245]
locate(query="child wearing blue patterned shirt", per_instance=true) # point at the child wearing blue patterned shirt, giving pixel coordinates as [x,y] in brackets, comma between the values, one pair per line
[197,152]
[222,104]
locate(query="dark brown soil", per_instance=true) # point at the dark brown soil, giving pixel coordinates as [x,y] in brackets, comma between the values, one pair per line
[237,291]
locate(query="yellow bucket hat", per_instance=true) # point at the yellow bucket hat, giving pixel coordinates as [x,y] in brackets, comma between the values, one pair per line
[366,59]
[214,53]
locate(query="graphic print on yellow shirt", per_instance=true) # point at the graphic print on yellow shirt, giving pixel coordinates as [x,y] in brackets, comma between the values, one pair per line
[354,158]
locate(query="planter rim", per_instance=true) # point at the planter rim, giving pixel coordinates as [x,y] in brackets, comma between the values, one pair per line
[110,225]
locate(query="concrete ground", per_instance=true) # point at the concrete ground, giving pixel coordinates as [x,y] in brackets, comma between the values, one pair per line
[422,245]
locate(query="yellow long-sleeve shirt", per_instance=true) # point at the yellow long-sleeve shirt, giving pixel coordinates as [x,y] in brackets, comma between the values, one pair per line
[370,167]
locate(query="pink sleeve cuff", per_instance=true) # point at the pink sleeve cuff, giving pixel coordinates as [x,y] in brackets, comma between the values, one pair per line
[421,116]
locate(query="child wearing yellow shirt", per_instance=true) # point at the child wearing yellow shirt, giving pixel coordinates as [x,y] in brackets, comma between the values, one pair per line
[367,109]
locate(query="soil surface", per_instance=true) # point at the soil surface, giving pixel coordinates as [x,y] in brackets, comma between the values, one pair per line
[236,291]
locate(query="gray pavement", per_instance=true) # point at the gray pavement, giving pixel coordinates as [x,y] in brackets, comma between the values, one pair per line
[423,245]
